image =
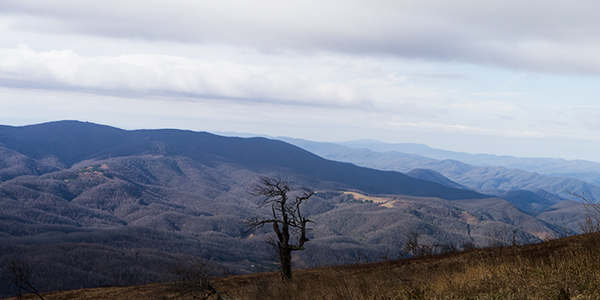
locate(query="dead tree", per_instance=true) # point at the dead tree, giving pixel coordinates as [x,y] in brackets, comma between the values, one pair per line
[591,222]
[286,218]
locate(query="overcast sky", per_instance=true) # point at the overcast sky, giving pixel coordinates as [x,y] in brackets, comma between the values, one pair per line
[506,77]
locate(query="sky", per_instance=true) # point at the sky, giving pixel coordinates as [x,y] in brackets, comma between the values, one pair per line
[519,78]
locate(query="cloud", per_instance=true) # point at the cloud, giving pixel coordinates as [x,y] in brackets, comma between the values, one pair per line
[465,129]
[487,107]
[441,76]
[590,120]
[546,36]
[169,76]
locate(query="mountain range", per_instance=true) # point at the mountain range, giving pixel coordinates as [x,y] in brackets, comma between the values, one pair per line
[580,169]
[493,180]
[111,207]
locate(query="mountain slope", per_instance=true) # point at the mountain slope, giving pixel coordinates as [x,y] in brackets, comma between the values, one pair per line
[15,164]
[70,142]
[434,176]
[528,201]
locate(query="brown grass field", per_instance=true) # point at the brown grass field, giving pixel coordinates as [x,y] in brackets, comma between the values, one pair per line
[567,268]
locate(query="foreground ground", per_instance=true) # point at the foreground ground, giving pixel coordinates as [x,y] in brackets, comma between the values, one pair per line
[567,268]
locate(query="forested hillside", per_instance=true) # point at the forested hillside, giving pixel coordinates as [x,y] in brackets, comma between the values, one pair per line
[106,207]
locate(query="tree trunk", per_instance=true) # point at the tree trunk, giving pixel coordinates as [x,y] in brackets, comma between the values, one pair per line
[286,262]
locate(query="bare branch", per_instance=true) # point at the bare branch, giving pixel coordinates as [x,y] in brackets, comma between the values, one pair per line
[20,273]
[271,188]
[591,222]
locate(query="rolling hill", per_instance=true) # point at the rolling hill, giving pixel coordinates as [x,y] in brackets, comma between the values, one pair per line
[112,207]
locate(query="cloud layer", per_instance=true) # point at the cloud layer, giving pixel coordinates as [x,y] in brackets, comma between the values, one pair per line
[546,36]
[145,74]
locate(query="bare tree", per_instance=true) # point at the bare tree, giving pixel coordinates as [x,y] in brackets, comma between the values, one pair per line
[195,280]
[20,272]
[412,244]
[286,218]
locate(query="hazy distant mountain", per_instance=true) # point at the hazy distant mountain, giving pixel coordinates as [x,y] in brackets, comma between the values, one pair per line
[485,179]
[108,206]
[580,169]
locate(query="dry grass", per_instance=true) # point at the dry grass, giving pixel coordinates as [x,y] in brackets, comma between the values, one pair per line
[568,268]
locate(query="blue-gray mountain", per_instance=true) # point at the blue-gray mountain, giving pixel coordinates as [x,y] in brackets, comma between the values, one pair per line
[485,179]
[579,169]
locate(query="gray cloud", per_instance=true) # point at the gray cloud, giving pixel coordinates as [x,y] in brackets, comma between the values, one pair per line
[500,19]
[452,76]
[546,36]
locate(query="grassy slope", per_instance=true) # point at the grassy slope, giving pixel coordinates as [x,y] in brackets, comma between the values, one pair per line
[559,269]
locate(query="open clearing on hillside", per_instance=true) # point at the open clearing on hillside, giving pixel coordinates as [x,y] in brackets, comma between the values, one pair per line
[365,198]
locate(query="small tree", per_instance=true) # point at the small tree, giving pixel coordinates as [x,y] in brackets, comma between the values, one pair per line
[20,275]
[286,218]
